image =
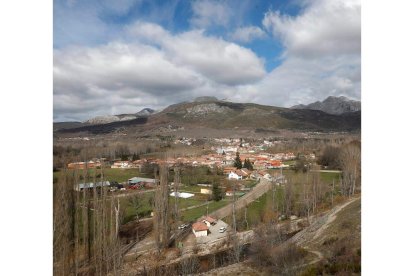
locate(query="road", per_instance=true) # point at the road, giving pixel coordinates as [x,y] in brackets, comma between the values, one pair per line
[261,188]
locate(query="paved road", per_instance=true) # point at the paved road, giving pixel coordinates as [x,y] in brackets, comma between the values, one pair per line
[261,188]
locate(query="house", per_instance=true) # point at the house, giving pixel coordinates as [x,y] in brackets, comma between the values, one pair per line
[121,165]
[234,175]
[200,229]
[82,165]
[229,193]
[205,191]
[274,164]
[244,173]
[228,170]
[209,221]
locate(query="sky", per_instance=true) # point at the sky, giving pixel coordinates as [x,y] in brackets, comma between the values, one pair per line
[120,56]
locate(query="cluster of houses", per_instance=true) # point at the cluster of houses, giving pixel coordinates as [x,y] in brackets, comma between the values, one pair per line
[241,174]
[96,163]
[260,161]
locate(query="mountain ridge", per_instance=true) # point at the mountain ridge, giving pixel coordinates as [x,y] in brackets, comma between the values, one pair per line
[332,105]
[216,114]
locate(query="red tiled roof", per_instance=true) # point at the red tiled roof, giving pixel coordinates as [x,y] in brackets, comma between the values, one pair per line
[199,226]
[209,219]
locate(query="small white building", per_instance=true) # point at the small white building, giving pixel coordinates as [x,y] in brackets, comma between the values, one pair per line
[200,229]
[233,175]
[206,191]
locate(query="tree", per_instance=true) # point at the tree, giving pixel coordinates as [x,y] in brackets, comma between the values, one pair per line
[135,156]
[330,157]
[217,193]
[350,160]
[237,162]
[162,210]
[122,152]
[247,164]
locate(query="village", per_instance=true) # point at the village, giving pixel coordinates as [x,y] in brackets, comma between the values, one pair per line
[217,192]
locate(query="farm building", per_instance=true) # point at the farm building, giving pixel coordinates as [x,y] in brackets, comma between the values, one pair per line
[91,185]
[206,191]
[141,181]
[200,229]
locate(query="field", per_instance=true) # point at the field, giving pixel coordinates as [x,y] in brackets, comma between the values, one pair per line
[195,213]
[118,175]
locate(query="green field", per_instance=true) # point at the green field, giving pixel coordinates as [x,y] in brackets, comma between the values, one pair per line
[118,175]
[195,213]
[129,205]
[328,177]
[255,210]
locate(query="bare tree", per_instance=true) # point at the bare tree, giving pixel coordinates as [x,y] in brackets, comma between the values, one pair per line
[161,210]
[350,159]
[189,265]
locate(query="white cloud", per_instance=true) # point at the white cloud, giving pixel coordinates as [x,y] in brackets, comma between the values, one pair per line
[210,12]
[148,32]
[219,60]
[325,27]
[247,34]
[322,53]
[155,69]
[214,58]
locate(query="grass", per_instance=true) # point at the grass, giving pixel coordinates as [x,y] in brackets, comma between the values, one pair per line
[250,183]
[119,175]
[328,177]
[195,213]
[145,209]
[289,162]
[256,211]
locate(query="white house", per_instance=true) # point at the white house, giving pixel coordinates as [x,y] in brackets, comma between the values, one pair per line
[267,176]
[200,229]
[233,175]
[206,191]
[121,165]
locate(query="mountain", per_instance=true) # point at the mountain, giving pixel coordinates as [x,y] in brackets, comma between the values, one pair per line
[223,115]
[145,112]
[106,119]
[333,105]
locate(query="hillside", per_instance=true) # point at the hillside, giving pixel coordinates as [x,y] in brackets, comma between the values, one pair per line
[333,105]
[227,115]
[106,119]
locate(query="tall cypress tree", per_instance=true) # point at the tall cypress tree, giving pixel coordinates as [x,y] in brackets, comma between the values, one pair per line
[237,162]
[247,164]
[217,195]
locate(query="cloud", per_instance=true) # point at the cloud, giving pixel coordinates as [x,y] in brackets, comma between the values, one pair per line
[210,12]
[324,28]
[154,68]
[145,65]
[247,34]
[322,53]
[216,59]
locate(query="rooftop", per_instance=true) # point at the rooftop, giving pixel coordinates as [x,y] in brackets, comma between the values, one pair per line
[199,226]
